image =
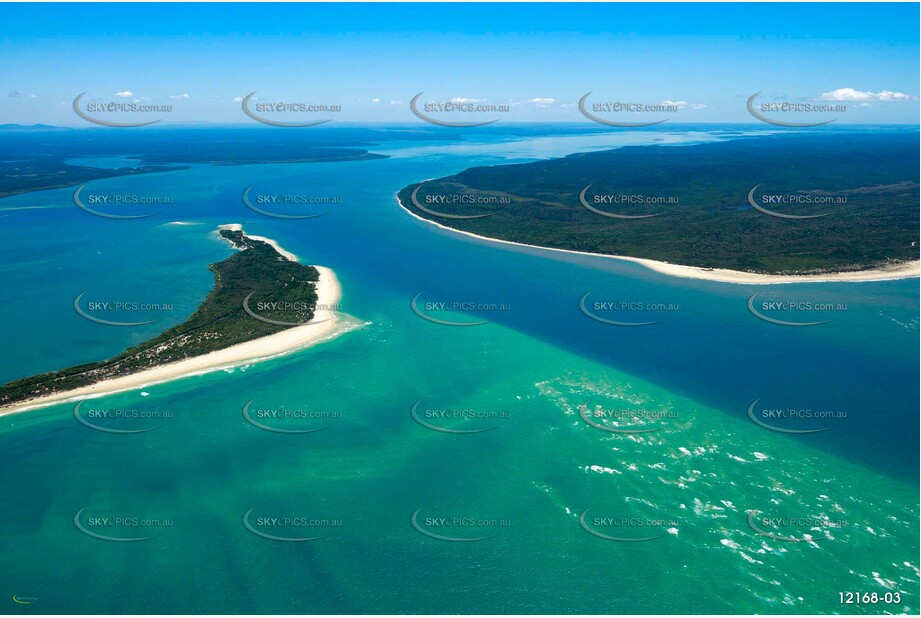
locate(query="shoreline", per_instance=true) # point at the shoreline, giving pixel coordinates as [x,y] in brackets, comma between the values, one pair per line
[325,325]
[237,227]
[903,270]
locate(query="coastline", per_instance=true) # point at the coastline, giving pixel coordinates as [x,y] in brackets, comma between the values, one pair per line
[904,270]
[326,324]
[237,227]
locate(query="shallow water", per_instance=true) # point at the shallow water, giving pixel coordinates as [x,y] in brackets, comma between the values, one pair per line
[523,483]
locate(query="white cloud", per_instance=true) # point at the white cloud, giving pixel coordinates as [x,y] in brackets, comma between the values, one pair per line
[698,106]
[179,97]
[237,99]
[678,104]
[124,94]
[375,100]
[466,100]
[396,102]
[542,101]
[864,104]
[849,94]
[33,96]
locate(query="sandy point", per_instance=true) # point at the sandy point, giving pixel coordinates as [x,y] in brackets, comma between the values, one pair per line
[326,324]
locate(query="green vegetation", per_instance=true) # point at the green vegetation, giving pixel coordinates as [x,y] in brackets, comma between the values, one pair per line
[42,173]
[36,158]
[219,322]
[48,172]
[704,218]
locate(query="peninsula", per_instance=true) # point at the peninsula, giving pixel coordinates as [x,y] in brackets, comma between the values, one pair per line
[299,309]
[777,209]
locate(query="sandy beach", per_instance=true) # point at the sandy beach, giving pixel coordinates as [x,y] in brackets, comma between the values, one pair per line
[903,270]
[238,227]
[325,325]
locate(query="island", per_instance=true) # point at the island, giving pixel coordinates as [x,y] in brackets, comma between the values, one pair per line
[299,308]
[767,209]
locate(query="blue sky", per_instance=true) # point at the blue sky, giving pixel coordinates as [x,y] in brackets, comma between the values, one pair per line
[538,59]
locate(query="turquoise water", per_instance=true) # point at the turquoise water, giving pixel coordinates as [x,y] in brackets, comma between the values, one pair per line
[523,483]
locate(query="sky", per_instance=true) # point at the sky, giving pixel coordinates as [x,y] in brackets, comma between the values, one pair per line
[535,61]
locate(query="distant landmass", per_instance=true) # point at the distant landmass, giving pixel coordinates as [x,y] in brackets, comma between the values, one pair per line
[31,127]
[278,152]
[787,204]
[40,157]
[258,272]
[50,172]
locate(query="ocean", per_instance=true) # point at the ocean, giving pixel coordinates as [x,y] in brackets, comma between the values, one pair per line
[509,516]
